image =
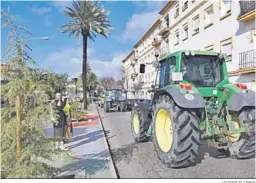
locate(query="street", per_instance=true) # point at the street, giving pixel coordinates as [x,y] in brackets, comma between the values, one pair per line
[134,160]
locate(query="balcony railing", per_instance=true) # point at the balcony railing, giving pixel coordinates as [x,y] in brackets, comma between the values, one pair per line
[164,29]
[156,42]
[247,11]
[164,51]
[247,60]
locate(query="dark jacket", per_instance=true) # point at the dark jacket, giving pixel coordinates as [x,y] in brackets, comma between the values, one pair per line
[61,115]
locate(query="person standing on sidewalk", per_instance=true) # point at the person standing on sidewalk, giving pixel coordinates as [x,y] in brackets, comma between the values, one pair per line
[67,110]
[60,120]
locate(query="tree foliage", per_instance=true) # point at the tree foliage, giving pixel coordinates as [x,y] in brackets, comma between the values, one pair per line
[27,83]
[88,19]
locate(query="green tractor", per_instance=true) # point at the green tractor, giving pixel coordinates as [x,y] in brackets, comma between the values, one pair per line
[195,101]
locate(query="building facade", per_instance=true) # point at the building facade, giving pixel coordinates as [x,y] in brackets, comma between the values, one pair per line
[223,26]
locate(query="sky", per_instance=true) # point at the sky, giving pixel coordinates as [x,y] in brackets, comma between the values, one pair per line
[63,54]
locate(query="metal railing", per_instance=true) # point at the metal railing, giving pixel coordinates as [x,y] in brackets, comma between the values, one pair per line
[246,6]
[247,59]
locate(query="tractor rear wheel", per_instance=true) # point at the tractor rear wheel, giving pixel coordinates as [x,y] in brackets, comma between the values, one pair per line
[176,134]
[139,125]
[243,145]
[122,106]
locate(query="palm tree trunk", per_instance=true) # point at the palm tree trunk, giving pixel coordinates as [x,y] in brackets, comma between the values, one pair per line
[84,72]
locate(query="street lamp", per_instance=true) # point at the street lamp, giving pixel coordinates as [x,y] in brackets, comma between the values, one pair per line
[75,80]
[39,38]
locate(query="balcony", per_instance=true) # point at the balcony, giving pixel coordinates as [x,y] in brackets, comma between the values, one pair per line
[164,29]
[247,11]
[156,42]
[134,75]
[164,51]
[247,61]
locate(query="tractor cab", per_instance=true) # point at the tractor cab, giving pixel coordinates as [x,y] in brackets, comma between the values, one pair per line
[197,68]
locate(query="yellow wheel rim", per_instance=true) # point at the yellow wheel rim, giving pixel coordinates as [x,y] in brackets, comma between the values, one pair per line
[233,137]
[136,124]
[164,130]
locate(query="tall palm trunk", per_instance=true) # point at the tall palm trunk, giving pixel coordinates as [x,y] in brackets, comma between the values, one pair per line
[84,73]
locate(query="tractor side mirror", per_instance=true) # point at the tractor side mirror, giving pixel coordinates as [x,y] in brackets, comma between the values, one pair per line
[142,68]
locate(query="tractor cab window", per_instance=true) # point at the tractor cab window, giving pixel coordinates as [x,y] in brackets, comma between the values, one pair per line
[202,70]
[113,93]
[167,67]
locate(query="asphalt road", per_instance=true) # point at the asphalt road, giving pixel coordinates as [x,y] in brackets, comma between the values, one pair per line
[139,160]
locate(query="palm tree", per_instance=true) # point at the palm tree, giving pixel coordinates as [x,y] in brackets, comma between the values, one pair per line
[88,18]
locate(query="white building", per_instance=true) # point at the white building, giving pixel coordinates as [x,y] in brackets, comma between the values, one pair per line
[222,26]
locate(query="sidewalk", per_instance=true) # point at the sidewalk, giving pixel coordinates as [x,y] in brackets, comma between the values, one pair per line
[91,157]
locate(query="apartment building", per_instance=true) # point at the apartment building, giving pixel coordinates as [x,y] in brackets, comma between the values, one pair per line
[222,25]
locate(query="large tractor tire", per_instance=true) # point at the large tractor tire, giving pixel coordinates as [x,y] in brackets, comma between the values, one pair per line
[176,134]
[122,106]
[107,106]
[243,145]
[139,124]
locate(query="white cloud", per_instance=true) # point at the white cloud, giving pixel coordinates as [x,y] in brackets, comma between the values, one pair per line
[108,68]
[42,10]
[70,60]
[138,24]
[61,5]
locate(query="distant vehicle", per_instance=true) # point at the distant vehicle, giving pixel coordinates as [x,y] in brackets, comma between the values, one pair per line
[115,100]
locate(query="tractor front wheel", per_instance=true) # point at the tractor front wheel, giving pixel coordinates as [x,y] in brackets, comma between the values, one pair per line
[176,134]
[139,125]
[242,146]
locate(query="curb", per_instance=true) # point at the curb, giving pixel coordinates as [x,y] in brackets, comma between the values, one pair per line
[110,163]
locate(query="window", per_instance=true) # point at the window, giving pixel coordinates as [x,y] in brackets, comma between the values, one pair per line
[226,47]
[226,7]
[208,16]
[209,48]
[176,38]
[202,70]
[176,12]
[167,20]
[185,32]
[185,5]
[195,25]
[167,67]
[252,36]
[162,76]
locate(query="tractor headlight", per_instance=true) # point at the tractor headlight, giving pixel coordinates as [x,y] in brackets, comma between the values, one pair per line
[187,53]
[192,53]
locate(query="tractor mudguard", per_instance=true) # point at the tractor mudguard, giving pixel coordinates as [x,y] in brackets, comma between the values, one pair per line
[239,100]
[191,100]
